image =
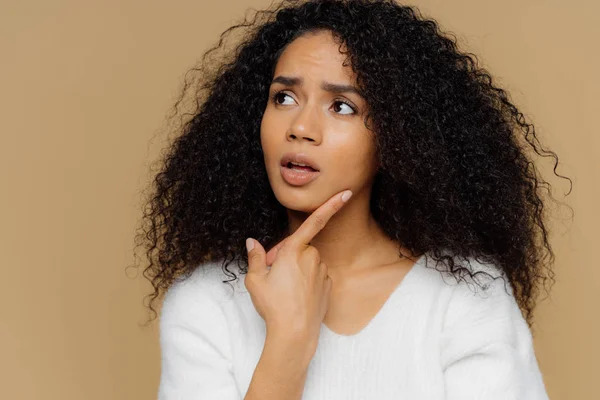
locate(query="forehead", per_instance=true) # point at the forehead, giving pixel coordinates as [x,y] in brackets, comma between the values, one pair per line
[315,54]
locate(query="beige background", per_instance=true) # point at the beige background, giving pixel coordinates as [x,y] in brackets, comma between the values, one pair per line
[86,85]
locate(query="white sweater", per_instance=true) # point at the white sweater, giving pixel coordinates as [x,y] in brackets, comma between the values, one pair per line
[433,339]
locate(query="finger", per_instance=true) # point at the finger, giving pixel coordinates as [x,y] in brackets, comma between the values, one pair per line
[323,270]
[272,254]
[317,220]
[256,257]
[328,287]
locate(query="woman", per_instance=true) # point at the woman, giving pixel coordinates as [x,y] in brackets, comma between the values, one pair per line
[357,143]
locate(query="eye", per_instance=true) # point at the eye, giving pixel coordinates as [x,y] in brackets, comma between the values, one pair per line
[275,97]
[347,105]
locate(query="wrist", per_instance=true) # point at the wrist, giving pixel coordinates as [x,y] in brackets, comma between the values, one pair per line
[296,346]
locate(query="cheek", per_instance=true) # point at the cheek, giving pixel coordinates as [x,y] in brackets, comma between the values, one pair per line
[269,149]
[354,157]
[266,138]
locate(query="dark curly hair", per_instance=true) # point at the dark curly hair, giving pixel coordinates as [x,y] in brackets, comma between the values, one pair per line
[454,175]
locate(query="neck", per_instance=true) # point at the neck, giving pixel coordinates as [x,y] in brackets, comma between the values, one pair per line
[351,240]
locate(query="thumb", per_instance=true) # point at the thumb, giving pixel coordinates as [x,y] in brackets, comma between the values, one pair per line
[257,259]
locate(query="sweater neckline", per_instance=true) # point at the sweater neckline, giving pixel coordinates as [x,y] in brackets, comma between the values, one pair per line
[398,290]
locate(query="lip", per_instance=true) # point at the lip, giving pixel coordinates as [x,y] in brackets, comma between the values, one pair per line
[301,158]
[296,177]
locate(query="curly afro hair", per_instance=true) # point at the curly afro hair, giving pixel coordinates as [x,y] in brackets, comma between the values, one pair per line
[454,181]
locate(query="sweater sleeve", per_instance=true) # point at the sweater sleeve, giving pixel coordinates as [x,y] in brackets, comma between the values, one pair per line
[486,346]
[196,359]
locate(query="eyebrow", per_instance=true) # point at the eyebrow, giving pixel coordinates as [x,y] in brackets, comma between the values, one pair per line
[327,86]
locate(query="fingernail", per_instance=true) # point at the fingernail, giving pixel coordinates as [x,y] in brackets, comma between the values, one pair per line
[249,244]
[346,195]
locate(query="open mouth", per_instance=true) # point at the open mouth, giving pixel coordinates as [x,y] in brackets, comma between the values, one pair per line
[296,167]
[298,175]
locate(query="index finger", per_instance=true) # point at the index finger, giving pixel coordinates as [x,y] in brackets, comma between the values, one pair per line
[318,219]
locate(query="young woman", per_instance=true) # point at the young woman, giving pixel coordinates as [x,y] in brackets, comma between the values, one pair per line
[370,185]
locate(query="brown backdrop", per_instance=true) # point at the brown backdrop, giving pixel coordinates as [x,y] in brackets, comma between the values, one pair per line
[86,85]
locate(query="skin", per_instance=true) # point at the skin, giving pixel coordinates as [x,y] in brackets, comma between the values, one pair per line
[305,118]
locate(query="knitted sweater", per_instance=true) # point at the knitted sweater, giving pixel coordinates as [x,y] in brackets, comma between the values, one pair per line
[434,338]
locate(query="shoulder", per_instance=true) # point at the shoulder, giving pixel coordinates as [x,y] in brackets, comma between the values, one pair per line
[199,295]
[481,309]
[478,291]
[485,293]
[486,345]
[195,338]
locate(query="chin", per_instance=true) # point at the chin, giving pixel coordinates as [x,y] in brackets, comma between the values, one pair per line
[301,199]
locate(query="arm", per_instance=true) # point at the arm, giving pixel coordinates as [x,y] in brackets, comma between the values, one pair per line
[487,348]
[281,371]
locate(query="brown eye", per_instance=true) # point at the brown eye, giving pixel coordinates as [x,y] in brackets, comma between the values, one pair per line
[277,96]
[347,105]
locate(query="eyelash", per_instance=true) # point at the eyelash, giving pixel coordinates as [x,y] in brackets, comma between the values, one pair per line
[274,98]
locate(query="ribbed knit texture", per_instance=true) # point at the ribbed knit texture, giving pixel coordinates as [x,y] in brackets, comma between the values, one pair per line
[433,339]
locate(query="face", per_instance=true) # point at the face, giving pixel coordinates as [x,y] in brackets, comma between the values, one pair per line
[303,116]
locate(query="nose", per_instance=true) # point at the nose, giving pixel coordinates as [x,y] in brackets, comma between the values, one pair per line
[292,136]
[305,127]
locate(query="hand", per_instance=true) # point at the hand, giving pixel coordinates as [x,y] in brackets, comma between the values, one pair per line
[293,296]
